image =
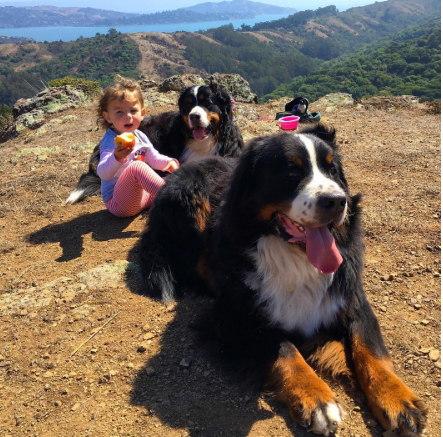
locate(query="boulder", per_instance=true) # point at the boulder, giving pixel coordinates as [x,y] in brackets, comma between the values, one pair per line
[237,87]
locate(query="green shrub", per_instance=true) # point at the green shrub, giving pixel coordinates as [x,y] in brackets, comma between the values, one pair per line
[5,115]
[89,87]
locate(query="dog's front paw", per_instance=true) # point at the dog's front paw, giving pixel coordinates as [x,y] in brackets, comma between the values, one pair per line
[318,416]
[398,409]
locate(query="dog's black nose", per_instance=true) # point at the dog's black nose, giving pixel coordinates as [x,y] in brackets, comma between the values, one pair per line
[332,203]
[194,117]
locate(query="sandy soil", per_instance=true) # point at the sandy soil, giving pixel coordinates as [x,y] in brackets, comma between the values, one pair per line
[62,282]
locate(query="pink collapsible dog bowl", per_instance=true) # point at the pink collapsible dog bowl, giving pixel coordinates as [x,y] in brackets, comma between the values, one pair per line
[289,123]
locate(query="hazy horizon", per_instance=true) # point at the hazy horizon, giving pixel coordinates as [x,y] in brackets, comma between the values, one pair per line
[135,6]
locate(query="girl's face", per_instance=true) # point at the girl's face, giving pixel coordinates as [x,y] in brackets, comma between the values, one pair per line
[124,115]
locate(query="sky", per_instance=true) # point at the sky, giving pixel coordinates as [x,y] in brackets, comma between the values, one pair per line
[150,6]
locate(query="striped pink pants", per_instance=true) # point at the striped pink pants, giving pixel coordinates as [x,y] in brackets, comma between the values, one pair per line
[135,190]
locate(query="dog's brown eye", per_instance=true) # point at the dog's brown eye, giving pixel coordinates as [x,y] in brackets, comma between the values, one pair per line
[333,171]
[292,175]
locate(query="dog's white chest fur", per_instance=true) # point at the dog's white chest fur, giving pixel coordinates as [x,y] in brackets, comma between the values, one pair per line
[294,292]
[196,150]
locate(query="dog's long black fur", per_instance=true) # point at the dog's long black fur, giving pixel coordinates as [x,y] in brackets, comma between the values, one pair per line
[171,134]
[217,225]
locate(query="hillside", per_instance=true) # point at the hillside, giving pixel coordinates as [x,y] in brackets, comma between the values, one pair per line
[98,58]
[407,63]
[68,273]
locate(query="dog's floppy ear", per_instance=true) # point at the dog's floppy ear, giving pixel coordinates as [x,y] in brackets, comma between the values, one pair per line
[323,132]
[244,179]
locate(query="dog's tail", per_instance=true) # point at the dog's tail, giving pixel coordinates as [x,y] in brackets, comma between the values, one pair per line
[157,277]
[89,183]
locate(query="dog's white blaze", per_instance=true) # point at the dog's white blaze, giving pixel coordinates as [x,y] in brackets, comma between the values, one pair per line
[204,120]
[303,208]
[195,91]
[293,291]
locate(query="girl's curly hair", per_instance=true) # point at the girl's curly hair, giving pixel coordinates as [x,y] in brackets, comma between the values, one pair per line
[122,89]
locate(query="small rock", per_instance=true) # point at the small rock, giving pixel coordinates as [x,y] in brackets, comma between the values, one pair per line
[48,374]
[141,348]
[94,350]
[148,336]
[185,363]
[434,354]
[425,322]
[146,328]
[57,403]
[76,406]
[371,423]
[437,364]
[46,387]
[417,306]
[150,371]
[383,308]
[5,364]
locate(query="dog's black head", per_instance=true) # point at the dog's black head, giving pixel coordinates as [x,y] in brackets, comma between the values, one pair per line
[293,186]
[300,105]
[205,109]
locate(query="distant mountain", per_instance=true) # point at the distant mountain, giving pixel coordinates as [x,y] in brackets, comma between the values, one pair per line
[240,6]
[49,16]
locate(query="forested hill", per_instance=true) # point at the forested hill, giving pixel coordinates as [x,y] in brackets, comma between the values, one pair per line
[408,63]
[98,58]
[327,33]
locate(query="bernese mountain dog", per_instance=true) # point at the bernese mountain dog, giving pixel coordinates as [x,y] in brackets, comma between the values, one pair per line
[275,236]
[203,126]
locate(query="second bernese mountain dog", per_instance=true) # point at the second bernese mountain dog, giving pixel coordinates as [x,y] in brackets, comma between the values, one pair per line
[275,236]
[202,127]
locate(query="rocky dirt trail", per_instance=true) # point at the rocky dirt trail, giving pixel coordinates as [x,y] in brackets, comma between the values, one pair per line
[83,354]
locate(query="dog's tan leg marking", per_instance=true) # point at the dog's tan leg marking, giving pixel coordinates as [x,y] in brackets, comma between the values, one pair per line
[391,401]
[310,400]
[202,212]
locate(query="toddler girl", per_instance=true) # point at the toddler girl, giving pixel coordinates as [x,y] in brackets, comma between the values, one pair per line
[128,183]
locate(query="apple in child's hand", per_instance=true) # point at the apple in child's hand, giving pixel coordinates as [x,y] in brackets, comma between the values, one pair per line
[126,140]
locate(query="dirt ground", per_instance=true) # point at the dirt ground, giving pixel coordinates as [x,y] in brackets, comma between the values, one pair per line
[62,280]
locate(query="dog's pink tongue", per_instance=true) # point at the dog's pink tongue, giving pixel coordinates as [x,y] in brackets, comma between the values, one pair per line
[321,250]
[198,133]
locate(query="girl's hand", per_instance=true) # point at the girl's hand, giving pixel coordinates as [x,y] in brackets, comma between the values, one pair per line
[121,153]
[171,167]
